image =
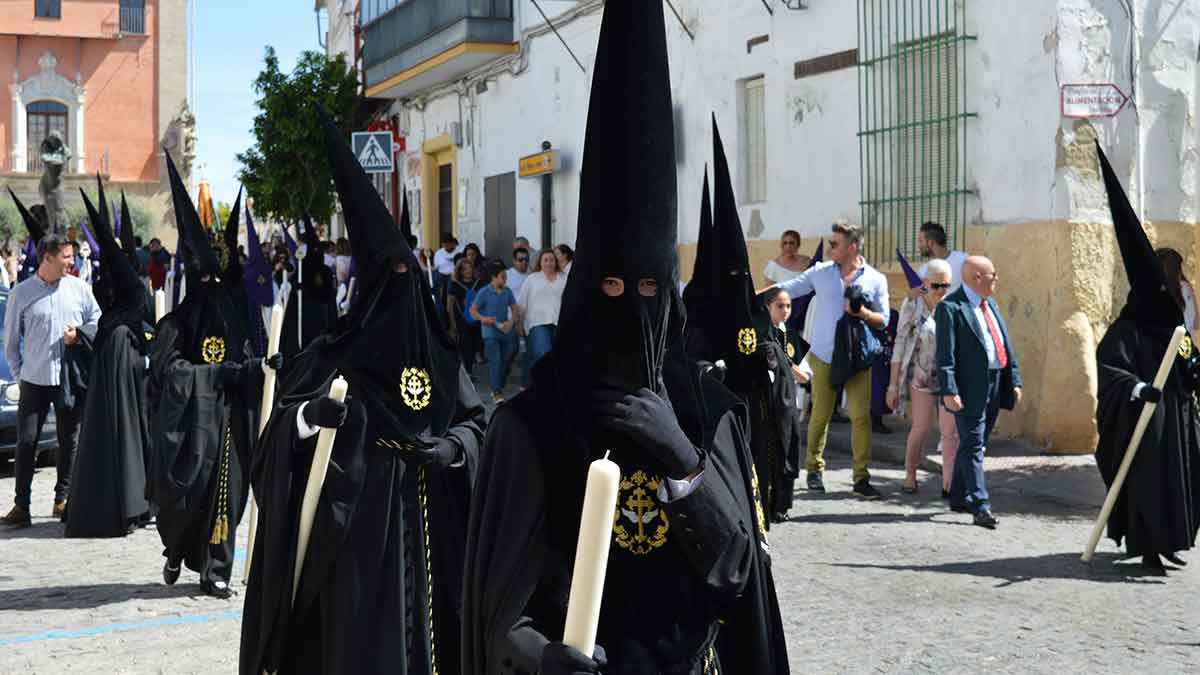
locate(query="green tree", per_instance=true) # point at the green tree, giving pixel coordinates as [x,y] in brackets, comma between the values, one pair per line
[11,227]
[223,209]
[286,169]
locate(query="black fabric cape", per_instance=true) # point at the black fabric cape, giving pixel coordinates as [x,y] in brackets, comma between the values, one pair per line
[365,555]
[662,609]
[1158,510]
[193,415]
[109,491]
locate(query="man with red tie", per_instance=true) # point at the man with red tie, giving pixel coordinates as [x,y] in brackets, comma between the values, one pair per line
[978,375]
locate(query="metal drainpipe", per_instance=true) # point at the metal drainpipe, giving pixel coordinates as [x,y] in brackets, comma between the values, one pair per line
[547,205]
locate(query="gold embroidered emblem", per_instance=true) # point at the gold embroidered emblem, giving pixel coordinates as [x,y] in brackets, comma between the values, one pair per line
[640,524]
[319,281]
[149,335]
[747,341]
[758,509]
[213,350]
[1185,347]
[791,351]
[415,387]
[262,281]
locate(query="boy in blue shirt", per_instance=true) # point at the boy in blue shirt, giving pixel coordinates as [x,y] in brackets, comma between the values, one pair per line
[491,308]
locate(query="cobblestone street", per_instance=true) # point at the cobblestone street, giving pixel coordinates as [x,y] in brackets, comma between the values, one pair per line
[898,585]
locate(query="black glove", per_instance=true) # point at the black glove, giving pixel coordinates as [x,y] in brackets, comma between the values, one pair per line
[559,659]
[438,452]
[1150,394]
[649,420]
[274,362]
[229,375]
[325,412]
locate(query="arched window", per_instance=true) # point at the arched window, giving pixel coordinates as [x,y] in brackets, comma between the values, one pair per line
[44,117]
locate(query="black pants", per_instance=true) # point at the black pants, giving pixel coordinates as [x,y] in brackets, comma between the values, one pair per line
[31,417]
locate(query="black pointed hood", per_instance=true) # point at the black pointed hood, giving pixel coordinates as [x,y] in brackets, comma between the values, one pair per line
[1149,302]
[700,295]
[128,244]
[317,277]
[199,257]
[212,327]
[232,269]
[392,342]
[627,226]
[743,322]
[35,227]
[122,292]
[406,222]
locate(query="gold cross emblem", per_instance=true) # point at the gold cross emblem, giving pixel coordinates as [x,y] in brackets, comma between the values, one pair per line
[415,387]
[213,350]
[640,524]
[747,341]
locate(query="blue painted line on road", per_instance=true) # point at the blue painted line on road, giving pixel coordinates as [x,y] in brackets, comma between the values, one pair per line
[122,627]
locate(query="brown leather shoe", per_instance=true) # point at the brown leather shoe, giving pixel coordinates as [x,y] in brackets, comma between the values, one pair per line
[17,517]
[60,509]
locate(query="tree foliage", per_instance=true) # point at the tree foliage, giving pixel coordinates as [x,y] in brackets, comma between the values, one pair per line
[142,217]
[286,169]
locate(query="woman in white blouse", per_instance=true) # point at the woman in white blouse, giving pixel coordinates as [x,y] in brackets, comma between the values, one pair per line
[790,264]
[914,376]
[539,300]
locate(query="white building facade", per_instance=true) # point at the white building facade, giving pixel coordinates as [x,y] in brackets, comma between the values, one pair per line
[882,112]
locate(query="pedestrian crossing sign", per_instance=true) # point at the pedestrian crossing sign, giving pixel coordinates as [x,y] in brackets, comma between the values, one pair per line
[373,150]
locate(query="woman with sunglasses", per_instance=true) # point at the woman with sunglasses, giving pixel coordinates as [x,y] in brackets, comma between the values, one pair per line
[790,263]
[914,375]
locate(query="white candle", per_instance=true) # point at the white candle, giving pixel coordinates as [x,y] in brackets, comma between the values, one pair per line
[160,305]
[264,412]
[591,555]
[316,481]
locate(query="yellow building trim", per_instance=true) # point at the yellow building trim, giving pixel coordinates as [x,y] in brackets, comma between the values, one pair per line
[441,59]
[436,152]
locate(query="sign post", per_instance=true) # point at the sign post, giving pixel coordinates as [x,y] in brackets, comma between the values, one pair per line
[1092,100]
[373,150]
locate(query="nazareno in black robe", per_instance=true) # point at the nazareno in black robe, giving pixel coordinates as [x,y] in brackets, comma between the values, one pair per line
[692,581]
[202,434]
[108,497]
[386,533]
[1158,510]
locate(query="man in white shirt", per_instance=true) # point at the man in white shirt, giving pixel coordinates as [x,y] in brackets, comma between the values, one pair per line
[519,270]
[829,281]
[443,260]
[931,242]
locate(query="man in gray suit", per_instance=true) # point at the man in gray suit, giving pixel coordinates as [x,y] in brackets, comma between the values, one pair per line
[978,375]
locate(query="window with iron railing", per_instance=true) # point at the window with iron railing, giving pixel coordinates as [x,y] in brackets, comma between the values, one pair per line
[912,121]
[133,17]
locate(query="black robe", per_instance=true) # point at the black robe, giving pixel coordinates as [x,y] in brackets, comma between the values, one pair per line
[108,495]
[776,433]
[387,542]
[202,434]
[672,579]
[320,312]
[1158,510]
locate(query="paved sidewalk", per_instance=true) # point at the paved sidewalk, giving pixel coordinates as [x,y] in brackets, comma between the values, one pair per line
[898,585]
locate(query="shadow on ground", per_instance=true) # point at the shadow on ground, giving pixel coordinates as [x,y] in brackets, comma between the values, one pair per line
[1060,492]
[89,596]
[1104,568]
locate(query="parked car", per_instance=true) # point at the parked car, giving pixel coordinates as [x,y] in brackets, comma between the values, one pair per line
[8,404]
